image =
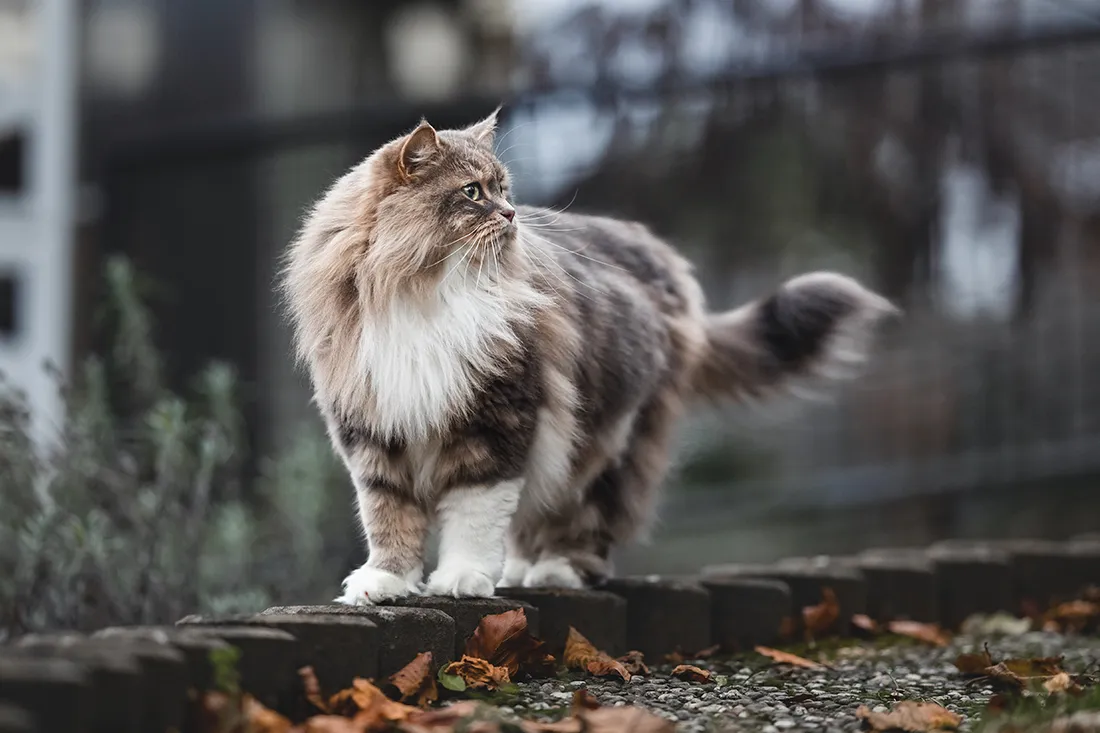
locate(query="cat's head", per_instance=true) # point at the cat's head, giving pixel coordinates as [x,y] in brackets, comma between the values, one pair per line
[442,207]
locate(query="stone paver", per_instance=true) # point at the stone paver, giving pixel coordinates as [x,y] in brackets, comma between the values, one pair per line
[901,584]
[269,657]
[468,612]
[56,692]
[196,648]
[746,612]
[15,720]
[598,615]
[972,578]
[807,579]
[402,632]
[664,615]
[114,676]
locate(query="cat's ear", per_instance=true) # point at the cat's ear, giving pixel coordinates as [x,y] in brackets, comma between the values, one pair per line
[419,147]
[484,131]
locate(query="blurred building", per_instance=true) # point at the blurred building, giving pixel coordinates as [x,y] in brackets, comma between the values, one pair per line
[944,150]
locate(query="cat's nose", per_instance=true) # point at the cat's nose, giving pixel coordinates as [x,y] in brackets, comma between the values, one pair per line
[507,212]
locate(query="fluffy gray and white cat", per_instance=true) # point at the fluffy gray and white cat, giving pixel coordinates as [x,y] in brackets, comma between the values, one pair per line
[513,381]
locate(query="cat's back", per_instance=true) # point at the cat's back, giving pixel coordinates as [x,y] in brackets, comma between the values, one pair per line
[602,254]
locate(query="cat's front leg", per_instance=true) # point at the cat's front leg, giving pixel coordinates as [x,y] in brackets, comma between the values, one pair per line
[474,522]
[395,526]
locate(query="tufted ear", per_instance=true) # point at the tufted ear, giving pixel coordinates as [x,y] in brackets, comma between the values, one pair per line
[484,131]
[418,148]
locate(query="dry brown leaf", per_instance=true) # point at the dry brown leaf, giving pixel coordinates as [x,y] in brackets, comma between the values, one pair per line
[913,717]
[312,688]
[443,719]
[787,658]
[414,683]
[264,720]
[634,661]
[504,640]
[625,719]
[928,633]
[580,654]
[583,700]
[478,673]
[331,724]
[707,653]
[865,623]
[674,658]
[787,628]
[1035,666]
[219,712]
[1062,683]
[1072,616]
[689,673]
[368,705]
[817,620]
[975,663]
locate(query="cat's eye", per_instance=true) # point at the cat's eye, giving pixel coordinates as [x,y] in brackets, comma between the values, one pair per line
[472,191]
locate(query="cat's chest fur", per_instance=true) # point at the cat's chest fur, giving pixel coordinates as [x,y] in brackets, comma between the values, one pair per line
[424,361]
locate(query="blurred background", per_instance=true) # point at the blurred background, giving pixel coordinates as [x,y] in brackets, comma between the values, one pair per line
[155,158]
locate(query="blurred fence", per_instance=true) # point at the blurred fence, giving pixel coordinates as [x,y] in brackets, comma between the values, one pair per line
[960,177]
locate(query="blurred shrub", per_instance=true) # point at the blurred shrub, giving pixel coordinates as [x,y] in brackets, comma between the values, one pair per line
[135,514]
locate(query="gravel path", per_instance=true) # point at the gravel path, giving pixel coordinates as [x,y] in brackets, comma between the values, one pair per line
[752,694]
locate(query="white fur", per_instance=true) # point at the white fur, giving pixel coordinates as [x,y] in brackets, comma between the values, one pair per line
[552,571]
[420,358]
[474,522]
[366,586]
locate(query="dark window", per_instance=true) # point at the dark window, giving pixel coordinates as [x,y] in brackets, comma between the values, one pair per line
[12,161]
[9,297]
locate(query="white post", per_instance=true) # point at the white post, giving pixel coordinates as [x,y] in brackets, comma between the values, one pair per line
[37,228]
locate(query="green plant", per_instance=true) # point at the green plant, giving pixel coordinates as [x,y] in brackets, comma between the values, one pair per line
[134,512]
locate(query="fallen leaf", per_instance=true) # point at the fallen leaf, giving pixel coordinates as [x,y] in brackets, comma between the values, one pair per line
[865,622]
[414,683]
[787,628]
[331,724]
[444,719]
[264,720]
[1035,666]
[1072,616]
[817,620]
[478,673]
[220,712]
[1062,683]
[368,705]
[928,633]
[707,653]
[913,717]
[688,673]
[580,654]
[975,663]
[625,719]
[786,658]
[674,658]
[312,688]
[504,640]
[634,661]
[583,700]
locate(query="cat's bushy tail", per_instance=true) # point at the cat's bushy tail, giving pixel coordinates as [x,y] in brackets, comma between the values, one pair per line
[815,325]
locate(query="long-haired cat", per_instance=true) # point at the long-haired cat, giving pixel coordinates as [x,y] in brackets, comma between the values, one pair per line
[513,382]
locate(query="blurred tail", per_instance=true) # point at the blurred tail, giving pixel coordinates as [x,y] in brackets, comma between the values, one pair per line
[820,324]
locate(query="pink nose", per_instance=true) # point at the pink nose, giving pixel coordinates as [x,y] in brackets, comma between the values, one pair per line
[507,212]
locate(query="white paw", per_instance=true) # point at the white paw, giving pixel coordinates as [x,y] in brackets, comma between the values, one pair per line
[552,572]
[366,586]
[460,582]
[515,569]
